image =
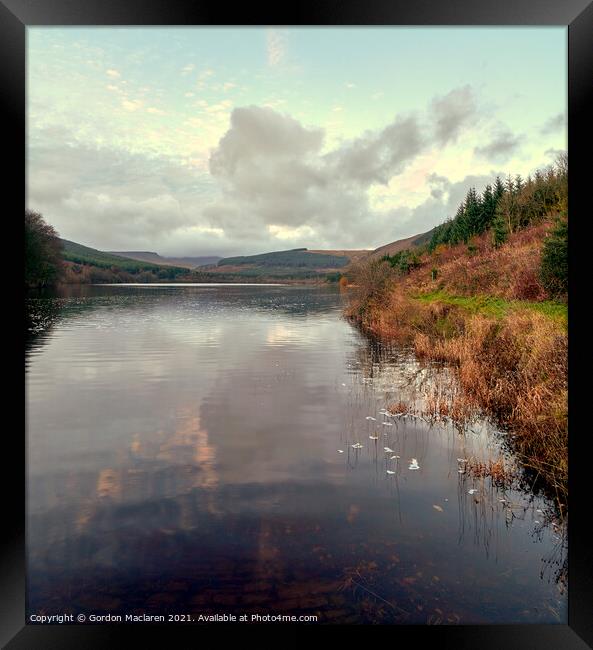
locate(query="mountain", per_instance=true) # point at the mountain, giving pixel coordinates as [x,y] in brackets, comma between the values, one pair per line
[155,258]
[402,244]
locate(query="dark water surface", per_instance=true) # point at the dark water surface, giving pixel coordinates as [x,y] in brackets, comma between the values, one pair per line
[183,458]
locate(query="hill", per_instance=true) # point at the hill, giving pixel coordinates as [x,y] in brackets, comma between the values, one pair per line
[296,258]
[155,258]
[402,244]
[85,264]
[298,264]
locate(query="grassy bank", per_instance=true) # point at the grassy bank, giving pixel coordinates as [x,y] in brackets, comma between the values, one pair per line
[483,311]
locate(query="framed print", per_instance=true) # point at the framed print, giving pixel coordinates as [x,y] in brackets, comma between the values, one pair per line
[298,345]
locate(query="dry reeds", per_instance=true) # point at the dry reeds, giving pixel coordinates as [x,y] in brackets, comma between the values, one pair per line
[497,470]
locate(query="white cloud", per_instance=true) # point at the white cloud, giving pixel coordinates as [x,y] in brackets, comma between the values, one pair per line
[131,104]
[113,73]
[276,47]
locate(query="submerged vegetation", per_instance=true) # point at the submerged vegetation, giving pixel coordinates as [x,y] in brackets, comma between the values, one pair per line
[487,295]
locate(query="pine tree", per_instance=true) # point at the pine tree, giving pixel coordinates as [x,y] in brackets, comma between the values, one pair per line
[499,230]
[554,264]
[488,207]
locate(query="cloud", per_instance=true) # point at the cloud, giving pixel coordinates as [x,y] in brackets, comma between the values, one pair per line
[114,74]
[131,104]
[553,124]
[376,157]
[276,180]
[268,180]
[442,203]
[261,136]
[438,185]
[453,112]
[111,199]
[554,153]
[502,146]
[276,47]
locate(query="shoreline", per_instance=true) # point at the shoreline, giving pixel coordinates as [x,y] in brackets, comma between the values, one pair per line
[509,365]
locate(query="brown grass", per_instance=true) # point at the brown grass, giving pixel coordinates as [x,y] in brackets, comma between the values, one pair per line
[465,273]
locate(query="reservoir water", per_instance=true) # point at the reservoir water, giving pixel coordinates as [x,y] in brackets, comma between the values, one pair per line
[190,450]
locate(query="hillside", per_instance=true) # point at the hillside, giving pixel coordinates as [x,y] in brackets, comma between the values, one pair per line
[300,264]
[155,258]
[299,258]
[402,244]
[84,264]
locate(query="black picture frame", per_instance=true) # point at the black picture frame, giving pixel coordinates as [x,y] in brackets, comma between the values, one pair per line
[16,15]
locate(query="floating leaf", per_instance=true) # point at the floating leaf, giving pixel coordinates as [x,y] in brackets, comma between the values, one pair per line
[388,450]
[438,508]
[389,471]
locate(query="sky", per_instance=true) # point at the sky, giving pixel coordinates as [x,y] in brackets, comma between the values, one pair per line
[226,141]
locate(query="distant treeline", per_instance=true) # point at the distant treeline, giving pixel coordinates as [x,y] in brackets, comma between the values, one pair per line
[298,258]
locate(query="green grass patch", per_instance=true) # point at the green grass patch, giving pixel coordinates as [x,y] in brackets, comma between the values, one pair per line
[498,307]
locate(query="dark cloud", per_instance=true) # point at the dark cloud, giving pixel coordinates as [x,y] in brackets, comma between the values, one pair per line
[452,113]
[553,124]
[502,146]
[261,134]
[376,157]
[438,185]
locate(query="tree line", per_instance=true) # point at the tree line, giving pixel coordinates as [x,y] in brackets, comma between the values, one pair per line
[507,206]
[504,207]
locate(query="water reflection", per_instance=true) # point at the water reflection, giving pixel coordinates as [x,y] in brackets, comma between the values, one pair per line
[183,456]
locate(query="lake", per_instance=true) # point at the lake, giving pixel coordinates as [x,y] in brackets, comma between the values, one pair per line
[183,456]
